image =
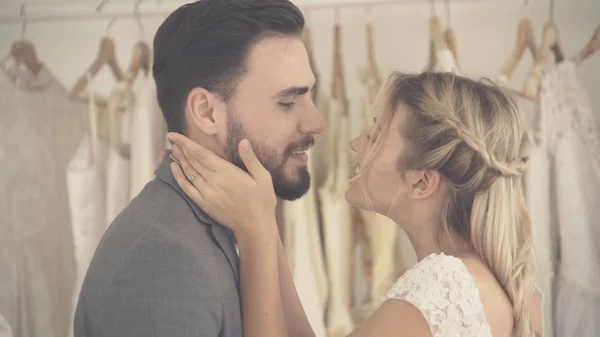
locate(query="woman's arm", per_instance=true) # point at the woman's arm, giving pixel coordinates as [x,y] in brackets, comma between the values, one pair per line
[262,309]
[295,317]
[264,267]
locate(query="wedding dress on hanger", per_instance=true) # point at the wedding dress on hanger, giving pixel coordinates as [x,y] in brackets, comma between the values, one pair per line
[337,224]
[538,195]
[305,256]
[39,132]
[86,183]
[121,105]
[572,136]
[335,210]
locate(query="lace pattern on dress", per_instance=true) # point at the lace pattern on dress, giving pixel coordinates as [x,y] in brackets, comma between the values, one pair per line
[565,104]
[442,288]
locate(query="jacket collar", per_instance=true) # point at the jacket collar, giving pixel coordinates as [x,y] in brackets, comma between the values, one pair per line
[221,234]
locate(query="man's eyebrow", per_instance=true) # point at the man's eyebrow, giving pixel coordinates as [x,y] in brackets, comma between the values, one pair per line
[292,91]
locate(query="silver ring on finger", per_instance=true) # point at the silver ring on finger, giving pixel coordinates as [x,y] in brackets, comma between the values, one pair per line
[193,177]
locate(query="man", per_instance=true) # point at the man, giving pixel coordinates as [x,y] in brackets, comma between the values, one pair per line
[224,70]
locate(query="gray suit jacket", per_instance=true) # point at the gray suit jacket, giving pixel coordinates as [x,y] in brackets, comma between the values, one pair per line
[163,268]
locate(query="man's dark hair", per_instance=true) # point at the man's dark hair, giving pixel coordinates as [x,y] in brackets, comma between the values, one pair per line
[206,43]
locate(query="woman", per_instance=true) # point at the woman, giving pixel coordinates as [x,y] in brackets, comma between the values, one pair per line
[443,160]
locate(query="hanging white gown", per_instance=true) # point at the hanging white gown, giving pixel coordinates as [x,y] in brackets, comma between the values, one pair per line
[149,133]
[121,105]
[445,61]
[572,136]
[86,183]
[538,194]
[39,130]
[303,246]
[337,225]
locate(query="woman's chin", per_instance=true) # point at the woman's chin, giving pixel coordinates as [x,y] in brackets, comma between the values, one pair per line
[353,199]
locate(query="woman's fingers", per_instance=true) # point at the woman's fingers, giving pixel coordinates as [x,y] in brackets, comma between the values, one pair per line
[196,154]
[194,176]
[252,163]
[189,168]
[192,191]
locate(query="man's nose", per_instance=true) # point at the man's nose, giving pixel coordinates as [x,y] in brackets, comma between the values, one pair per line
[313,123]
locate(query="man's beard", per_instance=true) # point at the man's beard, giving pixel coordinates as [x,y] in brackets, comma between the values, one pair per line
[287,189]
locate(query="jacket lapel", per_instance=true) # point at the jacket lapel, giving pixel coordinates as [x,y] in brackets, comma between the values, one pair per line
[222,236]
[225,240]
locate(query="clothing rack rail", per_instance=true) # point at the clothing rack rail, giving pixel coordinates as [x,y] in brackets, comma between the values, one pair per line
[71,11]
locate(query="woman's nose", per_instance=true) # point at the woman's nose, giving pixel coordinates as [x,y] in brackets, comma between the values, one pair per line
[356,144]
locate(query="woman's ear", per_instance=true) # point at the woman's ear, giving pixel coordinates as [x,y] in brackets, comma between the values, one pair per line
[423,183]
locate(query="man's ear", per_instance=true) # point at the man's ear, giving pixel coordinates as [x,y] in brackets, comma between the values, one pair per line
[201,108]
[424,183]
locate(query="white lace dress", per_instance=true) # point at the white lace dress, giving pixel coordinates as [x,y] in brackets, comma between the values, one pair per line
[572,136]
[442,288]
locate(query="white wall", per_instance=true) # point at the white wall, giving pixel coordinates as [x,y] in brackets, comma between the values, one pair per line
[485,29]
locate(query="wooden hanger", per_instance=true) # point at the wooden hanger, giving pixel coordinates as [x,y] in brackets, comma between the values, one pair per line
[450,35]
[140,60]
[525,40]
[550,43]
[338,86]
[371,75]
[371,59]
[437,34]
[371,46]
[549,39]
[589,49]
[437,41]
[23,52]
[106,56]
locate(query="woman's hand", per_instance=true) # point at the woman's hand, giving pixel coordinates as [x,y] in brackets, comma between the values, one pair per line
[243,202]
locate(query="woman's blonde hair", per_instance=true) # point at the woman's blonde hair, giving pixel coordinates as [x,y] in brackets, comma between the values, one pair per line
[471,133]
